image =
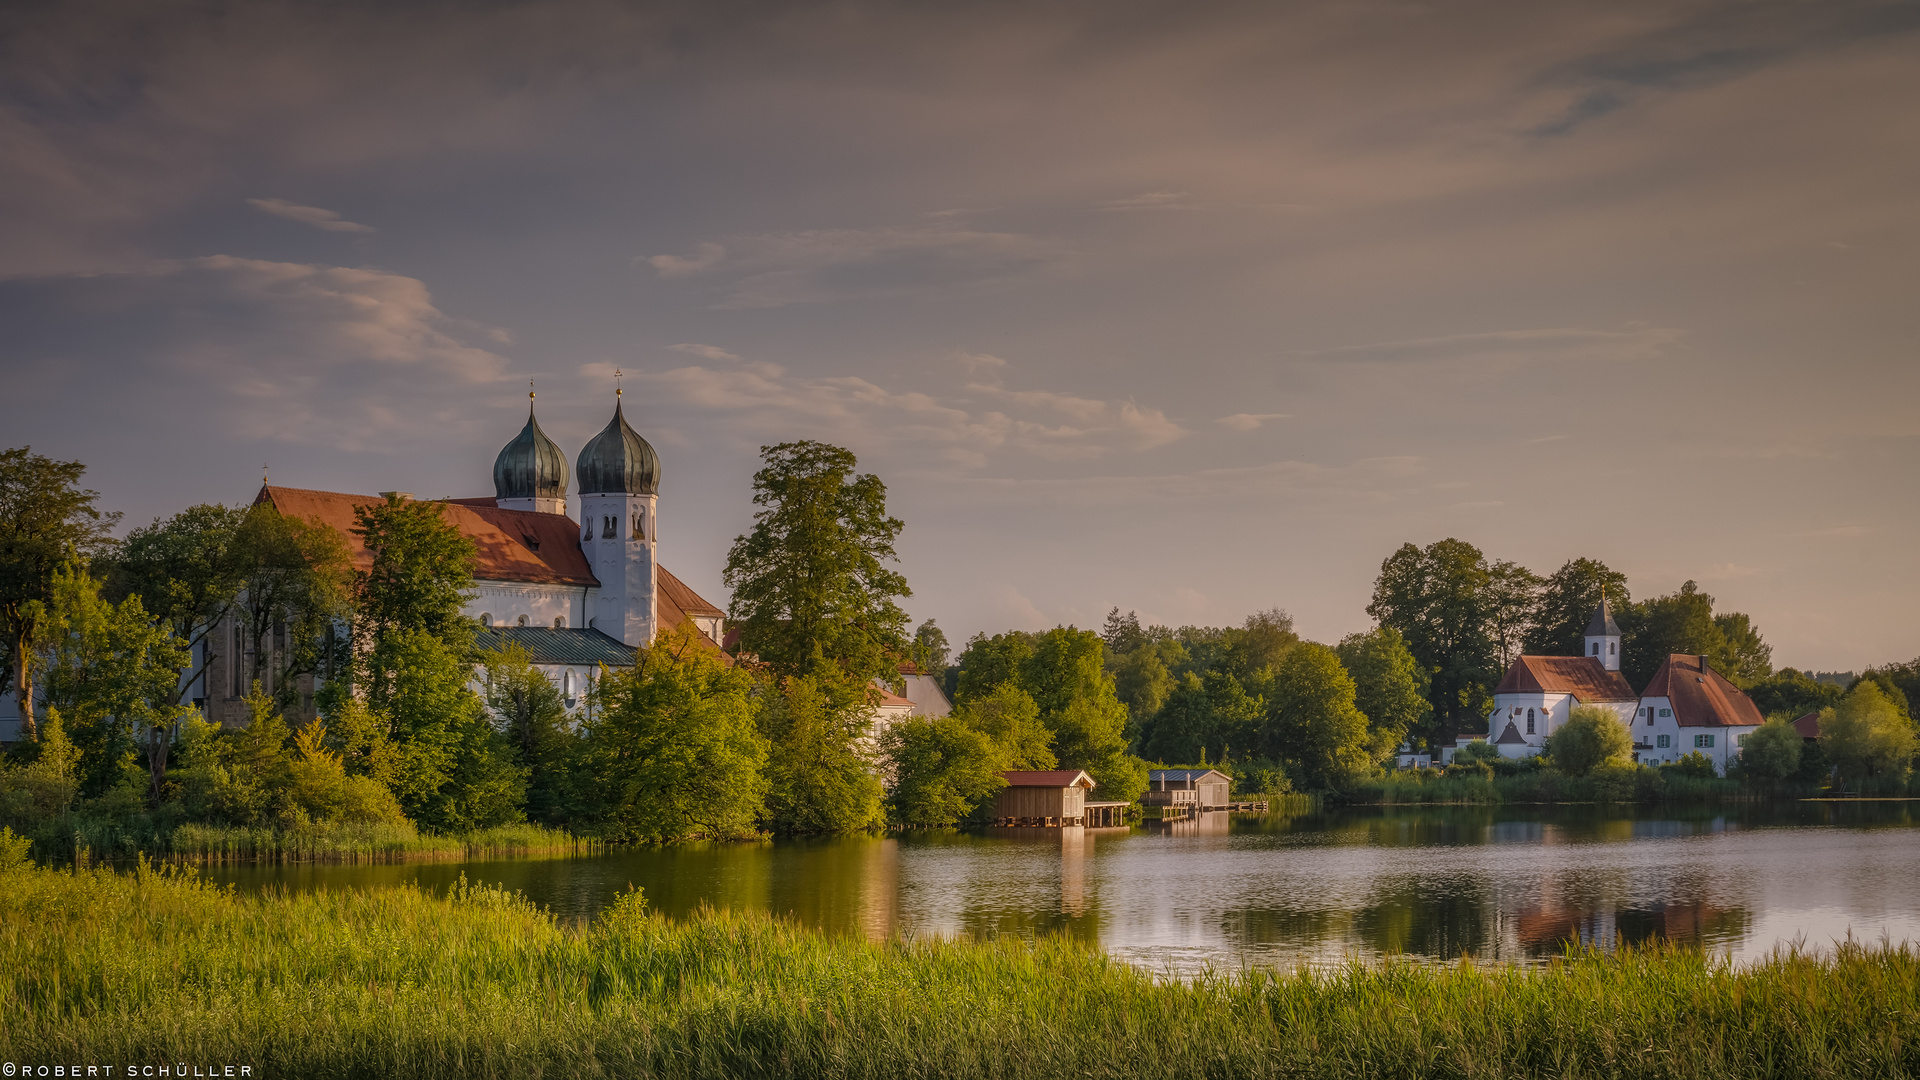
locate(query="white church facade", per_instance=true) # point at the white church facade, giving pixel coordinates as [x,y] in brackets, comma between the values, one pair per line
[1687,706]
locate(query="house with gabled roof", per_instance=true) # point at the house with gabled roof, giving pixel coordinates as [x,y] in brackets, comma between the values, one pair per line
[1538,693]
[1690,707]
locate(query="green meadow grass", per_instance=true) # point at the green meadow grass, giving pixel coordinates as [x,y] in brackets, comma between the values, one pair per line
[154,966]
[70,837]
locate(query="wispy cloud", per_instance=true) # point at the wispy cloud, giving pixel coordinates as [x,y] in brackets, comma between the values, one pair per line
[327,220]
[704,352]
[819,266]
[1250,421]
[1555,344]
[1151,200]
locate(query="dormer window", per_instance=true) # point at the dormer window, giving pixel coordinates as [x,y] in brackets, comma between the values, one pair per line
[532,544]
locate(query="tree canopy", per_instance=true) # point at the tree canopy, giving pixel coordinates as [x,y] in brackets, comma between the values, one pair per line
[811,588]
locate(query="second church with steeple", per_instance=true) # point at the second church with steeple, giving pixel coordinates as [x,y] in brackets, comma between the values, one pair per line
[575,595]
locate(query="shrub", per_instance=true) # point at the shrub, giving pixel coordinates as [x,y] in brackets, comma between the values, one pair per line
[1592,737]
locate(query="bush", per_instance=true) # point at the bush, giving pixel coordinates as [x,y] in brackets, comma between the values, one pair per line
[1591,738]
[1694,764]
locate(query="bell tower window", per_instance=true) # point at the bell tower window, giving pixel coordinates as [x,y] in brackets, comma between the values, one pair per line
[608,528]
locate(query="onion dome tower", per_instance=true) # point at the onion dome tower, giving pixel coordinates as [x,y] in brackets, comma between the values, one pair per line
[619,502]
[531,471]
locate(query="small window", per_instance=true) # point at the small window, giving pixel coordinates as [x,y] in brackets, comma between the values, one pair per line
[1666,712]
[1703,742]
[1529,721]
[566,684]
[1663,741]
[1596,648]
[523,620]
[1612,647]
[560,622]
[486,618]
[608,526]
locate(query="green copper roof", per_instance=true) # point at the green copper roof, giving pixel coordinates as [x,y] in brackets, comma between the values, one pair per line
[531,466]
[549,645]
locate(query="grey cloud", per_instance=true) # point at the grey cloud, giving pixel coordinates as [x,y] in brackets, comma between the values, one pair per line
[325,220]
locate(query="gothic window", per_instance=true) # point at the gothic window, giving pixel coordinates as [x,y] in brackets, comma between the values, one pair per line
[1529,721]
[607,527]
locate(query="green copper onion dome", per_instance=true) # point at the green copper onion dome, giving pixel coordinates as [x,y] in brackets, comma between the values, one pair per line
[531,466]
[618,461]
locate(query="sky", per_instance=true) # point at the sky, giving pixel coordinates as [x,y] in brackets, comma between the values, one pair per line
[1195,309]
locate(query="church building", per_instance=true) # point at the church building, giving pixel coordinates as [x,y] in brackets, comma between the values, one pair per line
[575,595]
[1686,707]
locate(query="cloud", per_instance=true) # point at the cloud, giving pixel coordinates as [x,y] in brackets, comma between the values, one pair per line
[1250,421]
[821,266]
[963,427]
[340,358]
[704,352]
[1152,200]
[327,220]
[705,257]
[1556,345]
[1013,608]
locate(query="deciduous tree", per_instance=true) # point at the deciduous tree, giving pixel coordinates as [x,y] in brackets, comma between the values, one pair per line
[1593,736]
[1312,720]
[1865,735]
[1389,687]
[1565,604]
[1439,598]
[811,588]
[943,770]
[46,520]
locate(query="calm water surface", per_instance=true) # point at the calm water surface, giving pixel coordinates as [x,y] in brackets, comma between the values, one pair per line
[1509,883]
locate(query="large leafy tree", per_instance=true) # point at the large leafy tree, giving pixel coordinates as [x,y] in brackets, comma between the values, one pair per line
[1772,753]
[1439,598]
[114,672]
[819,779]
[670,748]
[1866,735]
[46,520]
[1204,718]
[812,592]
[187,571]
[1389,686]
[1793,694]
[1565,605]
[943,769]
[1513,593]
[298,582]
[1684,622]
[1312,719]
[530,712]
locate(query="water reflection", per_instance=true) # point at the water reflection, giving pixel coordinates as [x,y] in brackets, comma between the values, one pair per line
[1507,883]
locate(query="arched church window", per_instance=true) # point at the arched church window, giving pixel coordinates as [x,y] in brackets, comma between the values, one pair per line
[1612,647]
[559,622]
[523,620]
[566,684]
[639,527]
[1529,721]
[1596,648]
[607,526]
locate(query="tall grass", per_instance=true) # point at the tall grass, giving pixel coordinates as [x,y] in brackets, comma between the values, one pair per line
[67,836]
[1535,785]
[154,967]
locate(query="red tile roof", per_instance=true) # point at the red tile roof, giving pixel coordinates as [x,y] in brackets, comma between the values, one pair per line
[1584,677]
[1700,696]
[1048,778]
[510,545]
[1808,726]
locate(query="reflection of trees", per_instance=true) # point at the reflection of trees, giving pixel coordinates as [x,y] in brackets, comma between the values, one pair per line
[1409,916]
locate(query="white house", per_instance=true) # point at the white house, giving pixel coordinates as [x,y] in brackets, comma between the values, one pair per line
[1538,693]
[1689,706]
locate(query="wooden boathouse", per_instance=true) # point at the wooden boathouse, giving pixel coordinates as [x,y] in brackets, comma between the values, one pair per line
[1052,799]
[1188,790]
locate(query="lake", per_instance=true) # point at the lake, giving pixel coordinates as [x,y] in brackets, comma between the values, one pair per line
[1501,883]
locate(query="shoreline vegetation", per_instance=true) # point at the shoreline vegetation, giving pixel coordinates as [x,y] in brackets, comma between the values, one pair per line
[155,965]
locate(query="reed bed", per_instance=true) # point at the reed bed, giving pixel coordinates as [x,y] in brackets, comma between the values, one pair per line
[362,843]
[154,966]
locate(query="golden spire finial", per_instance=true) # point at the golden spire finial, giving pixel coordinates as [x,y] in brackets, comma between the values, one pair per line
[529,389]
[616,382]
[263,472]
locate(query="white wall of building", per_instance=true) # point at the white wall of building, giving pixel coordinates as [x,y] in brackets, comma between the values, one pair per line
[1667,741]
[507,602]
